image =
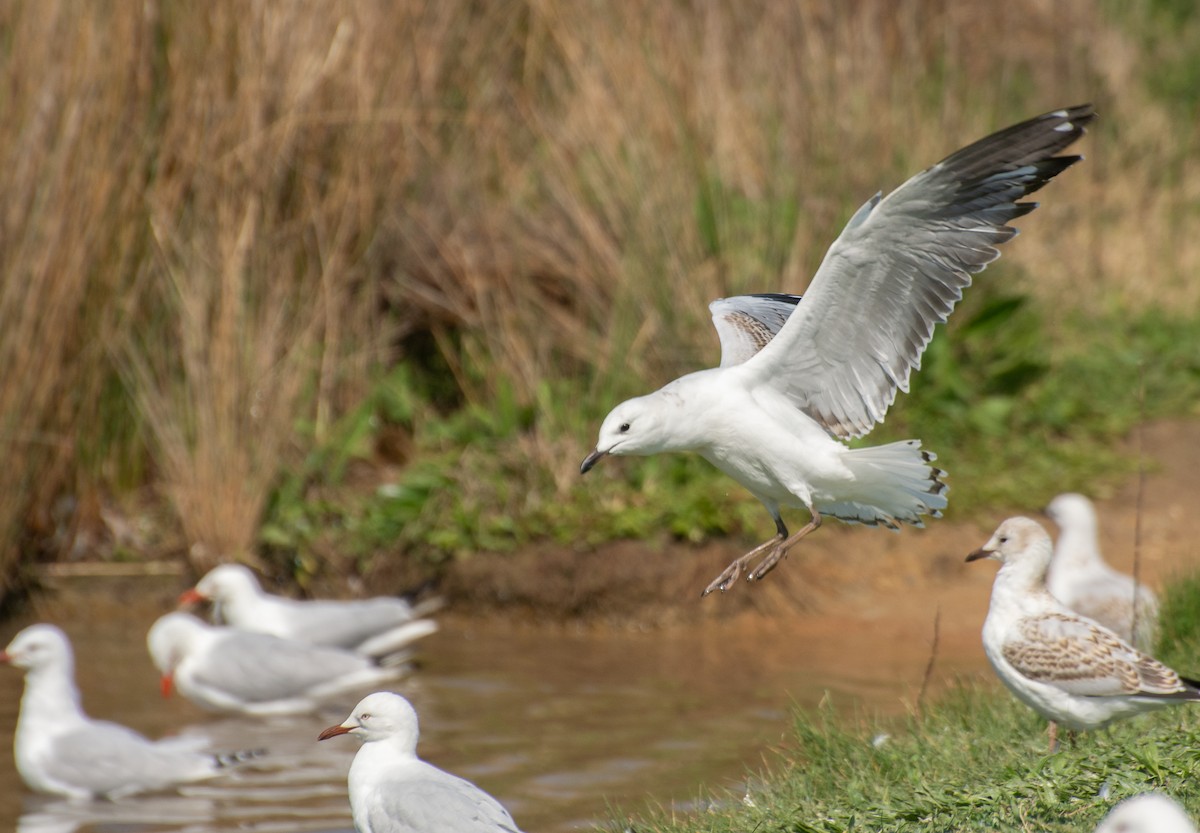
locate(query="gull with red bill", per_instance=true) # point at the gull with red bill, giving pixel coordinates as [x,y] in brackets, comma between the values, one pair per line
[394,791]
[61,751]
[371,627]
[226,670]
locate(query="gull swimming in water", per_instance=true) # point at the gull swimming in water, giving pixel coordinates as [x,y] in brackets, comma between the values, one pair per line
[1064,666]
[798,378]
[371,627]
[226,670]
[62,751]
[1147,813]
[394,791]
[1081,579]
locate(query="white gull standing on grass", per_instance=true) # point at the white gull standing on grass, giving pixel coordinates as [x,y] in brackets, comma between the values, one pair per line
[372,627]
[798,378]
[62,751]
[394,791]
[226,670]
[1064,666]
[1081,579]
[1147,813]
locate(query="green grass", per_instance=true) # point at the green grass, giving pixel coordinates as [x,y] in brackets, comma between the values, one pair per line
[975,760]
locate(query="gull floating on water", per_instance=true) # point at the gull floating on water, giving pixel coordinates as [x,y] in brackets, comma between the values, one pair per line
[1080,578]
[62,751]
[1147,813]
[394,791]
[1064,666]
[226,670]
[371,627]
[797,378]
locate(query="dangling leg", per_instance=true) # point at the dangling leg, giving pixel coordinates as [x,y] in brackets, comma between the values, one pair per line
[727,578]
[776,555]
[1053,733]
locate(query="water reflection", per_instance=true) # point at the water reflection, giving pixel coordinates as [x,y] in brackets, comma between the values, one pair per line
[560,725]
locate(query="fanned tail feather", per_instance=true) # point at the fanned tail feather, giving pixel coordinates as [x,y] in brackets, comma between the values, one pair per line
[893,484]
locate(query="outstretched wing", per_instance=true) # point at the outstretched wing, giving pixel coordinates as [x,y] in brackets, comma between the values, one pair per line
[746,323]
[1081,657]
[899,267]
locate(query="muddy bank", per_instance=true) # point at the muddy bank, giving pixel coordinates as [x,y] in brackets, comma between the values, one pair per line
[837,570]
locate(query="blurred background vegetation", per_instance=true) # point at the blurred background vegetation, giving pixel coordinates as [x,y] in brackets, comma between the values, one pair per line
[312,283]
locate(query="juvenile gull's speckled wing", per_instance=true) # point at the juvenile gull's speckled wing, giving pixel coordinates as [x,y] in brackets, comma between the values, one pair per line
[747,323]
[900,266]
[1081,657]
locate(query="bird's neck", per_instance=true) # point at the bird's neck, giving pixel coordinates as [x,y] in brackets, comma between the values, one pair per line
[1024,581]
[377,760]
[1077,548]
[50,693]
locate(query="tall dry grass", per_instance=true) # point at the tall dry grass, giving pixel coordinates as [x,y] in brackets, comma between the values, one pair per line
[235,214]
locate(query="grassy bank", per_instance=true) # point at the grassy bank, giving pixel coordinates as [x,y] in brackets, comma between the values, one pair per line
[376,269]
[975,759]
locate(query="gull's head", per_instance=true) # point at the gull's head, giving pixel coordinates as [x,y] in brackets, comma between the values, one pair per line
[1147,813]
[38,646]
[224,585]
[1018,543]
[380,716]
[170,640]
[636,426]
[1072,511]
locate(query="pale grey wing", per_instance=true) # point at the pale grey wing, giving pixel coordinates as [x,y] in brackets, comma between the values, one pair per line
[746,323]
[257,668]
[1084,658]
[346,624]
[438,803]
[900,266]
[105,758]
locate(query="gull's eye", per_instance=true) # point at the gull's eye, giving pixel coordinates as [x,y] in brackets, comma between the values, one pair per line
[364,717]
[624,427]
[1004,539]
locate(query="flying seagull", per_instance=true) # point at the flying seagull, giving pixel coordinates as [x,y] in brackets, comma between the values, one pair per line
[797,379]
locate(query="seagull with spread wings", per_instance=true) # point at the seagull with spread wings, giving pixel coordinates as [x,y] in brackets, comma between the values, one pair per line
[797,379]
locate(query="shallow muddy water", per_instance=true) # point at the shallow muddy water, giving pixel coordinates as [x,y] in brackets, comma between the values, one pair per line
[561,724]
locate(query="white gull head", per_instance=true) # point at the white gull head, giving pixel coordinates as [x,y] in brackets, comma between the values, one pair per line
[639,426]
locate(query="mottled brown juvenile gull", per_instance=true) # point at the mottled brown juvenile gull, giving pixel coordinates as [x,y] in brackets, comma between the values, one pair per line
[226,670]
[61,751]
[1147,813]
[1081,579]
[394,791]
[1068,668]
[371,627]
[798,378]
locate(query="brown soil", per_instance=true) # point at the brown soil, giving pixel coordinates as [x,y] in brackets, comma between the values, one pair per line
[851,576]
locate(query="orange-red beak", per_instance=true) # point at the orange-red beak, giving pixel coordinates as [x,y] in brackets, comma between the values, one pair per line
[190,597]
[167,684]
[4,657]
[333,732]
